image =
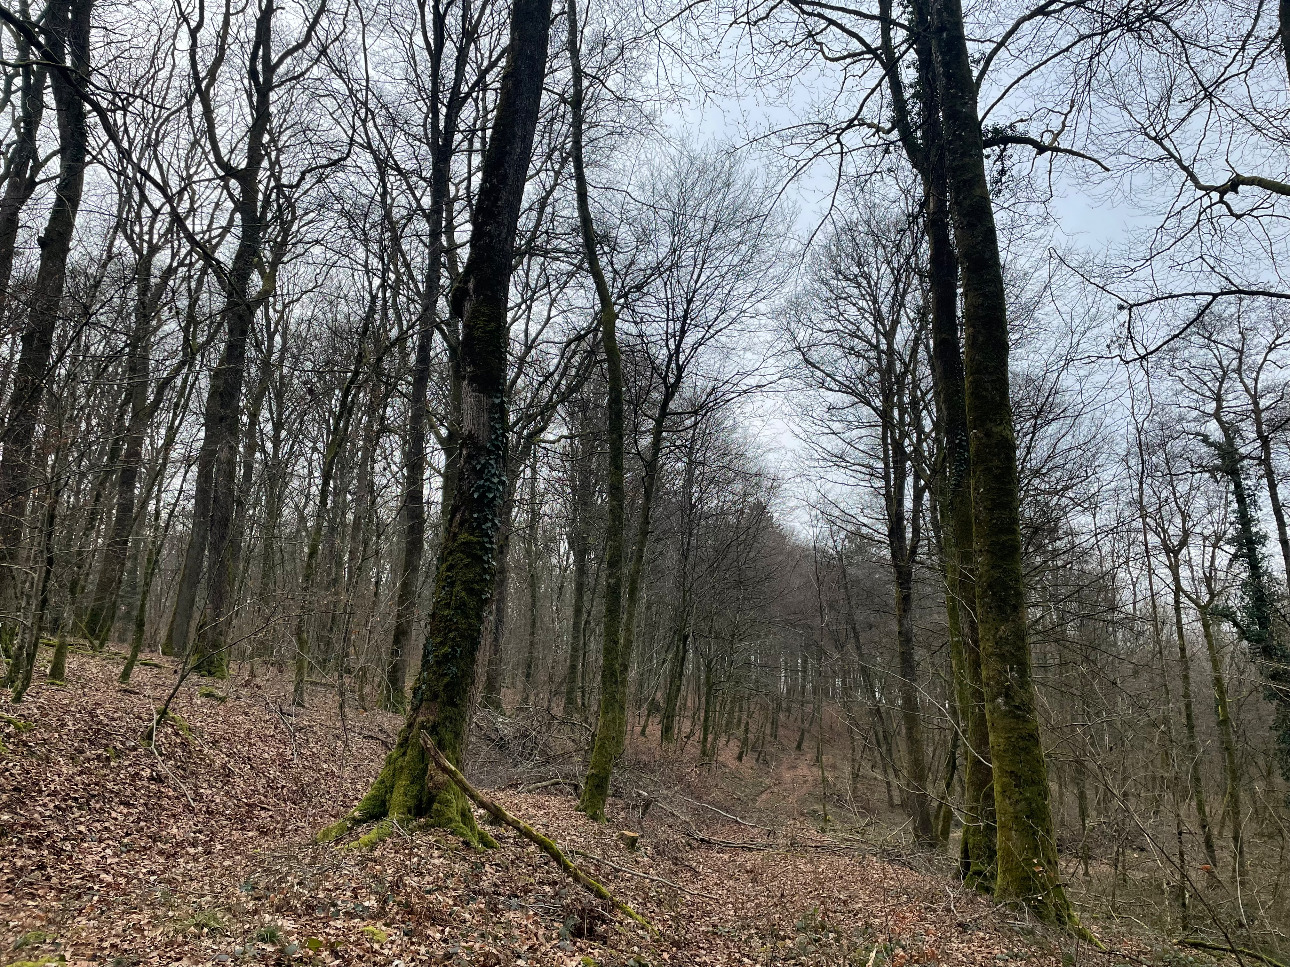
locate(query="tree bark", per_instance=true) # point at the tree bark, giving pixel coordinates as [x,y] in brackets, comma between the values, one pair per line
[24,160]
[1027,849]
[579,547]
[68,32]
[1191,746]
[107,587]
[1227,741]
[413,510]
[407,788]
[216,487]
[611,719]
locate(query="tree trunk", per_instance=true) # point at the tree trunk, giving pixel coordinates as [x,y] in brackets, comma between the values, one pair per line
[611,719]
[1253,621]
[495,628]
[413,510]
[24,159]
[1191,747]
[1227,740]
[215,493]
[530,560]
[68,37]
[107,588]
[579,548]
[977,852]
[1270,480]
[1027,848]
[407,788]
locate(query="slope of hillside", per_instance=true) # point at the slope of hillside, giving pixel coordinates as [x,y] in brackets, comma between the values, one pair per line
[201,851]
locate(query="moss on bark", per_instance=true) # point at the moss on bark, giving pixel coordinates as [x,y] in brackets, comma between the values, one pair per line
[407,789]
[1027,852]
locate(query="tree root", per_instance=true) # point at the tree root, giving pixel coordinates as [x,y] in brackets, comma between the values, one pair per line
[547,846]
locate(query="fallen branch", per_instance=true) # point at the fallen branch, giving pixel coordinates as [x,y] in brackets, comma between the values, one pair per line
[548,783]
[629,871]
[1231,949]
[547,846]
[710,840]
[721,812]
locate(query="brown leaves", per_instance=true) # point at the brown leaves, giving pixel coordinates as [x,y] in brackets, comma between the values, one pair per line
[102,857]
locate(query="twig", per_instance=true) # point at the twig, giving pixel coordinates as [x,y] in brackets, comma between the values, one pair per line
[291,729]
[161,762]
[705,805]
[628,870]
[547,846]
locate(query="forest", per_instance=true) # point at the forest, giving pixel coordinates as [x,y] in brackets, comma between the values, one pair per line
[598,484]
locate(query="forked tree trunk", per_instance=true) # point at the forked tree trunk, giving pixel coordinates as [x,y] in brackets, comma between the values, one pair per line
[954,497]
[408,788]
[413,509]
[215,494]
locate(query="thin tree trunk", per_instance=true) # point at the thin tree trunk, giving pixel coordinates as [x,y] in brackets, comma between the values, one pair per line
[24,159]
[332,452]
[215,493]
[1227,741]
[1191,746]
[103,606]
[611,719]
[413,509]
[579,547]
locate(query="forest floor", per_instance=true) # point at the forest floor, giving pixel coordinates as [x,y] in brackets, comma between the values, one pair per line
[201,851]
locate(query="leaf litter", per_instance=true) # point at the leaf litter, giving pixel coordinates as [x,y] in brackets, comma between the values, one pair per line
[202,852]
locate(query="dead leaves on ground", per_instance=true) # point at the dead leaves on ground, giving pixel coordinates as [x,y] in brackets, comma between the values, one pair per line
[202,852]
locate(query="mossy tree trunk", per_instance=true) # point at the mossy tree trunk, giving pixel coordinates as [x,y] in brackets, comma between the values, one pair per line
[1253,619]
[611,727]
[444,113]
[611,719]
[407,789]
[1027,848]
[923,138]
